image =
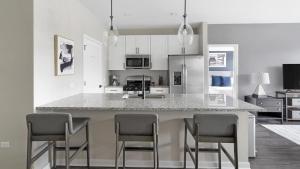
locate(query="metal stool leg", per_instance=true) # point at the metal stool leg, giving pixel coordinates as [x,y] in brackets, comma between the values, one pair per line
[196,147]
[67,147]
[50,153]
[157,160]
[124,154]
[117,146]
[29,147]
[88,146]
[236,160]
[219,155]
[54,154]
[236,157]
[154,146]
[184,147]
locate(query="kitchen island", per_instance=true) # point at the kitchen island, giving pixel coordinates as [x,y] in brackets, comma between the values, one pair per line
[171,110]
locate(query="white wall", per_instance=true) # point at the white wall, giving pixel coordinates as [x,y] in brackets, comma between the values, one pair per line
[16,74]
[70,19]
[262,48]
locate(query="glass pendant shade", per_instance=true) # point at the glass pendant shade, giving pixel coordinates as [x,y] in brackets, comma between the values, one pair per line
[185,34]
[111,36]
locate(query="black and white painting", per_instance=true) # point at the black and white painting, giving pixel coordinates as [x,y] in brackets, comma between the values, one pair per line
[217,60]
[217,99]
[64,56]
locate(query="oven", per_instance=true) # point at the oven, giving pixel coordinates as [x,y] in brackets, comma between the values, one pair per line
[138,62]
[135,84]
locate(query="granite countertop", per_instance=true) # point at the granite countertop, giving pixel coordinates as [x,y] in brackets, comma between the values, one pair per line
[174,102]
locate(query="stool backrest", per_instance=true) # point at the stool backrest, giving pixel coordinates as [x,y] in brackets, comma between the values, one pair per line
[216,125]
[136,124]
[49,123]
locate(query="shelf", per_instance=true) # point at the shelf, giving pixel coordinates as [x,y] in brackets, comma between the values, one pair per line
[289,119]
[274,118]
[293,107]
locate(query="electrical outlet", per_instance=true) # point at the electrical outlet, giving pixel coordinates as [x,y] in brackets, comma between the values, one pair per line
[5,144]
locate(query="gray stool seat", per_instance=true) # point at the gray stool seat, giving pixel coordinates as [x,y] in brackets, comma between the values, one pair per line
[53,127]
[211,128]
[209,131]
[136,127]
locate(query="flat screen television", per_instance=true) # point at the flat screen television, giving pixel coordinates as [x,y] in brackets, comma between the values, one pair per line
[291,76]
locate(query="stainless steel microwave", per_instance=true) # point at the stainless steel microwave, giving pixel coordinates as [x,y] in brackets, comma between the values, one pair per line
[138,62]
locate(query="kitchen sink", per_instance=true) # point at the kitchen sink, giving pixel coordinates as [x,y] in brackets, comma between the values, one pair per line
[148,96]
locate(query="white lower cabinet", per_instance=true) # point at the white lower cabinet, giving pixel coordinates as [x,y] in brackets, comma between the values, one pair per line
[159,90]
[114,89]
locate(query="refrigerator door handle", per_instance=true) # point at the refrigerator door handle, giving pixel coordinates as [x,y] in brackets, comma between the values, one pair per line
[185,78]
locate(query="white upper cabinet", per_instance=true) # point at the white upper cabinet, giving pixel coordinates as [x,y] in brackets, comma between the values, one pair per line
[159,52]
[116,55]
[138,44]
[175,48]
[131,47]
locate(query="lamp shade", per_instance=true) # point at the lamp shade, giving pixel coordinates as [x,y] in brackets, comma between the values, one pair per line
[260,78]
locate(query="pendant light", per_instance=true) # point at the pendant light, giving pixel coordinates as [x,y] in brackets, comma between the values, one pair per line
[111,34]
[185,31]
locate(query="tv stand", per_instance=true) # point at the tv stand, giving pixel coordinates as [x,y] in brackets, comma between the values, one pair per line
[288,96]
[291,91]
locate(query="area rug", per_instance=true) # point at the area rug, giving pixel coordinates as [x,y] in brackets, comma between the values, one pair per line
[290,132]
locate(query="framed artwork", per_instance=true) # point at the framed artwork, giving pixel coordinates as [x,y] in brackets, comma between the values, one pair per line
[64,56]
[217,100]
[217,60]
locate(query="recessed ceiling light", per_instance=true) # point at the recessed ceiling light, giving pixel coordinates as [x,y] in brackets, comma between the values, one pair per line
[173,14]
[127,14]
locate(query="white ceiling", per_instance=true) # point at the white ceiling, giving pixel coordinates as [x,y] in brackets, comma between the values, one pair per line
[167,13]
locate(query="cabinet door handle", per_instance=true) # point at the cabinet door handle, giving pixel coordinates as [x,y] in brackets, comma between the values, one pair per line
[183,50]
[113,90]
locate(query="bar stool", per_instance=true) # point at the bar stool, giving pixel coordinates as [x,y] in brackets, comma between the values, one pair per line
[52,127]
[212,128]
[136,127]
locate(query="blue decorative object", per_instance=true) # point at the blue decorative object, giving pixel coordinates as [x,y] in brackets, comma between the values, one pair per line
[226,81]
[216,80]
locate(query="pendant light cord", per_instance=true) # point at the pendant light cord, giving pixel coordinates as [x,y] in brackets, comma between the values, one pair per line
[111,15]
[184,15]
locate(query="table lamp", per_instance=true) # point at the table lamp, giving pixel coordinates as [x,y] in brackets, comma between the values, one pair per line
[260,79]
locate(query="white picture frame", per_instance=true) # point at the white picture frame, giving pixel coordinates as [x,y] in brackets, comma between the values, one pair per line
[217,59]
[64,56]
[217,100]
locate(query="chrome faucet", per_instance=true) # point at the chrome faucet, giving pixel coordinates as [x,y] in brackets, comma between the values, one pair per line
[143,88]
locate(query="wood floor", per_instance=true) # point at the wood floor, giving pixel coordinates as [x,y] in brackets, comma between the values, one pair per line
[274,152]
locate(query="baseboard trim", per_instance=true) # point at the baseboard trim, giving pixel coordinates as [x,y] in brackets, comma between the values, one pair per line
[163,164]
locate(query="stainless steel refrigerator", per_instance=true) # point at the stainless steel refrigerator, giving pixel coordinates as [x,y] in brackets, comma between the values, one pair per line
[186,74]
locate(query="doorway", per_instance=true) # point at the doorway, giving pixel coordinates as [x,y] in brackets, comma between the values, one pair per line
[223,70]
[93,66]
